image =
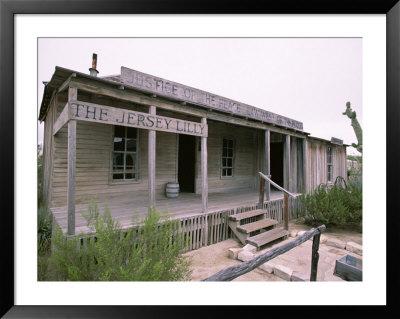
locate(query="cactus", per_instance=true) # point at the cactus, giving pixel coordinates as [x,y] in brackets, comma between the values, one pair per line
[356,127]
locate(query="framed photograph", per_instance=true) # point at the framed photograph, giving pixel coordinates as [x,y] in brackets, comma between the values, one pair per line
[150,43]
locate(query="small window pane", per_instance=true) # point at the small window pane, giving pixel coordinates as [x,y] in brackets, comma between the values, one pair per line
[230,152]
[225,143]
[129,176]
[119,131]
[131,132]
[224,172]
[129,160]
[230,143]
[229,162]
[131,145]
[118,159]
[119,144]
[229,172]
[224,162]
[118,176]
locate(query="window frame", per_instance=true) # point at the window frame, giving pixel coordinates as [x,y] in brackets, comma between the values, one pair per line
[222,167]
[137,155]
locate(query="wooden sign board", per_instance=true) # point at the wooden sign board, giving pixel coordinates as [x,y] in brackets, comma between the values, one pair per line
[166,88]
[85,111]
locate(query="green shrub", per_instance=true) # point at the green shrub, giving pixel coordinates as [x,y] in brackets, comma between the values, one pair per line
[44,221]
[336,206]
[150,252]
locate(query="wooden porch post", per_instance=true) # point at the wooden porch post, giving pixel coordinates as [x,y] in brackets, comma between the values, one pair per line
[267,164]
[286,164]
[305,159]
[152,161]
[204,179]
[72,95]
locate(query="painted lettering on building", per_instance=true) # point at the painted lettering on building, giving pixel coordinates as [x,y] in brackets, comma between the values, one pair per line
[85,111]
[185,93]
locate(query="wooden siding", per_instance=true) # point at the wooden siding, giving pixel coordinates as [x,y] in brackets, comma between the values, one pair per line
[245,158]
[317,168]
[48,151]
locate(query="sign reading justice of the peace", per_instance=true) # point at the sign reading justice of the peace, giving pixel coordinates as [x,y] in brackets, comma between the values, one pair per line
[185,93]
[85,111]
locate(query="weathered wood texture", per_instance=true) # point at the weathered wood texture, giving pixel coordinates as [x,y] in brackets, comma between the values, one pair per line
[204,170]
[233,272]
[286,163]
[314,257]
[245,158]
[170,89]
[152,162]
[62,119]
[267,162]
[48,151]
[317,167]
[71,164]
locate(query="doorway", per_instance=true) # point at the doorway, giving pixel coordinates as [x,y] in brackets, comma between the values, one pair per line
[276,165]
[186,163]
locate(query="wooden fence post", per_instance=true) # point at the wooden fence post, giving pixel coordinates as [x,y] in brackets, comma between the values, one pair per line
[315,257]
[261,198]
[285,211]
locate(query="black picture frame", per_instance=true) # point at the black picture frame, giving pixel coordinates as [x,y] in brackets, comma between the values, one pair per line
[8,10]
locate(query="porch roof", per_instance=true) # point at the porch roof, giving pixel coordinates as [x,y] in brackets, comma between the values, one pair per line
[61,75]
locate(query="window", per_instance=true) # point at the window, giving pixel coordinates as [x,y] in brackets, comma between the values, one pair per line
[227,158]
[330,164]
[125,153]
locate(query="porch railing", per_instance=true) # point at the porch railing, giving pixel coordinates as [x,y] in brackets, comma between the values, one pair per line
[286,194]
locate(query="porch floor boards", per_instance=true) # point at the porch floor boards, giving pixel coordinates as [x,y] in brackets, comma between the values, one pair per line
[185,205]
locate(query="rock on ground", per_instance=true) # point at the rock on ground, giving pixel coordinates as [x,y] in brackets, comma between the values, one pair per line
[354,248]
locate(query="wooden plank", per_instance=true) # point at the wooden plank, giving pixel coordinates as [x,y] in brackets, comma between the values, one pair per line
[233,272]
[266,237]
[261,224]
[97,113]
[286,211]
[314,257]
[257,125]
[252,213]
[95,87]
[62,119]
[267,163]
[204,167]
[170,89]
[152,161]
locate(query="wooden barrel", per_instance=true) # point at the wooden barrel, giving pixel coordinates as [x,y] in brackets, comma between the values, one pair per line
[172,189]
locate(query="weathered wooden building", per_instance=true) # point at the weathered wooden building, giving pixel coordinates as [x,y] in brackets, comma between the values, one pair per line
[123,138]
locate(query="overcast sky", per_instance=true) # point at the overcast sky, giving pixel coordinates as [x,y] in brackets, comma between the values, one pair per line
[306,79]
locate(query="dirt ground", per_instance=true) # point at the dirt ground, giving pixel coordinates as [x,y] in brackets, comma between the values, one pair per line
[207,261]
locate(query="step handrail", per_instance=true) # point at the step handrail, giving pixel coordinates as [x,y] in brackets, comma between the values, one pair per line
[286,194]
[276,185]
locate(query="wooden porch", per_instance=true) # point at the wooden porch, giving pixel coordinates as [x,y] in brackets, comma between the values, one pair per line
[183,206]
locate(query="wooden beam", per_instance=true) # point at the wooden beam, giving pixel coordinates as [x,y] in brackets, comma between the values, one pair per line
[62,119]
[66,83]
[152,161]
[96,87]
[72,95]
[233,272]
[267,163]
[285,211]
[253,124]
[204,173]
[315,257]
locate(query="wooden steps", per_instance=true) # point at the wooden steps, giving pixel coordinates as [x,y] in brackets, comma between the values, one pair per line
[266,237]
[258,225]
[254,228]
[252,213]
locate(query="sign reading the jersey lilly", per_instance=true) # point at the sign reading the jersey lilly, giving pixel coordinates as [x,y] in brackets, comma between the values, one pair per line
[85,111]
[166,88]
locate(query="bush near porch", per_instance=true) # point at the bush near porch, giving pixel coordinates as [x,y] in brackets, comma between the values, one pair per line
[113,254]
[334,207]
